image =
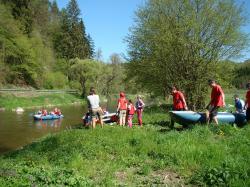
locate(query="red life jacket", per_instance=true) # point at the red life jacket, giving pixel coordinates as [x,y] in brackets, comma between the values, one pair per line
[131,109]
[123,103]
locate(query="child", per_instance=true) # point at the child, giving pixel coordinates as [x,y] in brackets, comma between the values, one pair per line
[87,119]
[131,111]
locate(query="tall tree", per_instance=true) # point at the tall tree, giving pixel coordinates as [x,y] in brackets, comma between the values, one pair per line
[72,41]
[179,42]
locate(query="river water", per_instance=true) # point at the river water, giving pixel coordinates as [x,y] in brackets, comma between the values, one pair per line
[19,129]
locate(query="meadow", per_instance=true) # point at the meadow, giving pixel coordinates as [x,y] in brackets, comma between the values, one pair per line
[152,155]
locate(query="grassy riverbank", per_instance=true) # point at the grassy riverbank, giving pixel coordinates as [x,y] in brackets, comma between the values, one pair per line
[29,100]
[150,155]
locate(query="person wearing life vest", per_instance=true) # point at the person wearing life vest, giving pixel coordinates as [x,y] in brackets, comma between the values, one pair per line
[247,103]
[122,109]
[217,100]
[139,105]
[131,111]
[179,102]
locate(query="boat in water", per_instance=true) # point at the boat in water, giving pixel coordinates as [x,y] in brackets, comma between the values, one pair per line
[47,117]
[191,117]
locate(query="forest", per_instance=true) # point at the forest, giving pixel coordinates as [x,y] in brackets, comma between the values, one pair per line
[44,47]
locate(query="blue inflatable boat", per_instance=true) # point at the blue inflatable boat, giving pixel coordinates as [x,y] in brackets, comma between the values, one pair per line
[190,117]
[47,117]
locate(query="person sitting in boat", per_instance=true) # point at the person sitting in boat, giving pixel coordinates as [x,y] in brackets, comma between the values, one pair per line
[39,112]
[87,119]
[57,111]
[239,104]
[105,112]
[44,112]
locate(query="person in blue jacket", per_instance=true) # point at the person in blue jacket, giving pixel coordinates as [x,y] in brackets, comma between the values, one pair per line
[239,104]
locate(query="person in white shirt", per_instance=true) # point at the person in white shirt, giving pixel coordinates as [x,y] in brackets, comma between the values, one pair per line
[94,107]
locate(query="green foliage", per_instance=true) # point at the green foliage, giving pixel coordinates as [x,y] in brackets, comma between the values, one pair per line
[71,40]
[54,80]
[30,33]
[86,72]
[242,75]
[11,102]
[179,43]
[225,74]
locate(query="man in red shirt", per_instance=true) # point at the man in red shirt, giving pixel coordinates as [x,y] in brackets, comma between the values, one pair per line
[217,101]
[247,103]
[179,102]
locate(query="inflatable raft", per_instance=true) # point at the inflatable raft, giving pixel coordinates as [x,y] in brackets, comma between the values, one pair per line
[107,118]
[47,117]
[190,117]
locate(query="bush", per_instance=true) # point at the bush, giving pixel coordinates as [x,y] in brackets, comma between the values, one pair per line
[54,80]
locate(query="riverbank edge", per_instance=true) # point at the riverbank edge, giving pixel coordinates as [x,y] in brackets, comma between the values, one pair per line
[34,102]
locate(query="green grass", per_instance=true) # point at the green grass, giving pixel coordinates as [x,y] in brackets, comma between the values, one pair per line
[9,101]
[144,156]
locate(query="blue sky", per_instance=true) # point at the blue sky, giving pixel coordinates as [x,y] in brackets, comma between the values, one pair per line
[108,22]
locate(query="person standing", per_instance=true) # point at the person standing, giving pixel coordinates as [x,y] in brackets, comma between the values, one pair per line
[217,100]
[94,107]
[131,111]
[122,108]
[139,105]
[179,102]
[247,103]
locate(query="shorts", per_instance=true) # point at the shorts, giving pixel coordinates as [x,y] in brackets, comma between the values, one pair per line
[248,114]
[213,111]
[122,113]
[96,112]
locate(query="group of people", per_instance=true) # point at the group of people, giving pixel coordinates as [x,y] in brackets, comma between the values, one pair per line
[125,109]
[44,112]
[217,101]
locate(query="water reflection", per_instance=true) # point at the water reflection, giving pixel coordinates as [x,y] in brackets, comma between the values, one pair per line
[19,129]
[44,124]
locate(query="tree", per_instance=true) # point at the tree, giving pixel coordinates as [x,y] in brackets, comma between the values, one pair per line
[86,72]
[71,41]
[242,75]
[179,42]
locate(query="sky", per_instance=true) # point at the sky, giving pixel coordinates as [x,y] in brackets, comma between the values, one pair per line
[108,23]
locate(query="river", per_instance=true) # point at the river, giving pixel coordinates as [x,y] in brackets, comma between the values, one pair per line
[19,129]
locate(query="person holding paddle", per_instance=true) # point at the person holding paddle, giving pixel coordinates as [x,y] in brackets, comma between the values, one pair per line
[217,100]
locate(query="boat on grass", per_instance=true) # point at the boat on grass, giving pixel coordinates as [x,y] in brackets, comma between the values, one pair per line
[47,117]
[191,117]
[107,118]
